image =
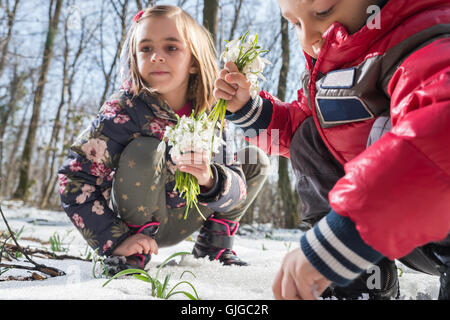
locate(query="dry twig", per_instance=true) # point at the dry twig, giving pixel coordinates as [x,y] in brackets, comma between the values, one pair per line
[52,272]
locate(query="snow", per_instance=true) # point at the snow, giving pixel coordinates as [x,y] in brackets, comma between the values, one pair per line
[261,246]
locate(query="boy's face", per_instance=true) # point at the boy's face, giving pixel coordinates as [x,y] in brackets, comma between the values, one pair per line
[313,17]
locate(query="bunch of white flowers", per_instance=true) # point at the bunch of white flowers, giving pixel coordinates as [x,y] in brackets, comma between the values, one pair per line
[245,53]
[189,134]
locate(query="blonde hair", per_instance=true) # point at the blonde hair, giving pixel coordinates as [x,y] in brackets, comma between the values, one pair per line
[200,43]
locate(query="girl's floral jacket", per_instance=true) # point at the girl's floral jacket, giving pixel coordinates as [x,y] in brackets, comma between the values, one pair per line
[87,174]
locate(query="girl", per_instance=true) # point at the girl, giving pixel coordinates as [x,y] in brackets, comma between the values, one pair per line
[369,143]
[168,66]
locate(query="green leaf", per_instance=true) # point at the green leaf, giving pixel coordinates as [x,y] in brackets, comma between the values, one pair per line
[187,294]
[145,278]
[164,285]
[181,282]
[125,272]
[168,259]
[158,287]
[189,272]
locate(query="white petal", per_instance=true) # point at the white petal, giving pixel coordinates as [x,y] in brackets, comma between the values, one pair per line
[161,146]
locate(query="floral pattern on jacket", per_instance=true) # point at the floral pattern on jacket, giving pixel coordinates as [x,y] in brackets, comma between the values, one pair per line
[87,174]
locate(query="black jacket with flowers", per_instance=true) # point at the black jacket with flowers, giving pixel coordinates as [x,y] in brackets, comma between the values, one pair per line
[86,177]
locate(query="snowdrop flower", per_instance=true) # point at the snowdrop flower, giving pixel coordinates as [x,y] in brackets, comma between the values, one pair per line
[188,134]
[245,53]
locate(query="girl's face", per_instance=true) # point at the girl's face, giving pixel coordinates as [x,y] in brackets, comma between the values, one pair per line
[164,59]
[313,17]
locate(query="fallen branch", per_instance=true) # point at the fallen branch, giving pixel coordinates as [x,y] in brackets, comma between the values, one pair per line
[52,272]
[33,276]
[48,254]
[49,271]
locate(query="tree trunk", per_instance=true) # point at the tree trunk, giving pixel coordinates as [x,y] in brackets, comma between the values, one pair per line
[5,112]
[210,14]
[21,191]
[16,93]
[70,68]
[11,172]
[108,73]
[52,146]
[288,197]
[11,20]
[237,10]
[145,4]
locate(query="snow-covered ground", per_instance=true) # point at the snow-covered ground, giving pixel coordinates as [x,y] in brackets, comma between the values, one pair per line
[261,246]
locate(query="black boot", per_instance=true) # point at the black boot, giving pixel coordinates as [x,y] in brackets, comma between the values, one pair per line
[116,264]
[442,254]
[434,259]
[215,241]
[364,288]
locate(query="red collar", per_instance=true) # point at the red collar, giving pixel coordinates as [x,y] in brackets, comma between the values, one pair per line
[342,49]
[186,110]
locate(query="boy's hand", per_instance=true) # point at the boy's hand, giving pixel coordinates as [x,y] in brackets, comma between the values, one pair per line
[136,244]
[298,279]
[197,164]
[232,86]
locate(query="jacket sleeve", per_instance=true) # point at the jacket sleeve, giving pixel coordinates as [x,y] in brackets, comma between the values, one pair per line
[230,188]
[397,192]
[270,123]
[85,179]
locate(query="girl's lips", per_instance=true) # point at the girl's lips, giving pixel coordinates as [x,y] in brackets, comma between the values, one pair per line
[159,73]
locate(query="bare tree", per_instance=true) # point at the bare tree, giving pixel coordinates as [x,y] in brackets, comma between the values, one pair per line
[237,10]
[69,70]
[12,164]
[17,92]
[54,13]
[288,197]
[120,9]
[11,17]
[144,4]
[210,17]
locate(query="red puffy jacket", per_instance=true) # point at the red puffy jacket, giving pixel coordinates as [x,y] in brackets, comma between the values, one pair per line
[397,191]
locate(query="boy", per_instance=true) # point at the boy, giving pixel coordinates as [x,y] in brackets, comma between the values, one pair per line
[369,143]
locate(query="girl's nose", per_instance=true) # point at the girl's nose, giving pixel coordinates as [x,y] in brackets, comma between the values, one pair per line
[156,58]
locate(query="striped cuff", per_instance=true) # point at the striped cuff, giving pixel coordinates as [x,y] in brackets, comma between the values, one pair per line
[214,191]
[335,248]
[255,115]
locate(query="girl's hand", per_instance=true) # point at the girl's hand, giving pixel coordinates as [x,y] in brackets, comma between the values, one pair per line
[232,86]
[136,244]
[196,163]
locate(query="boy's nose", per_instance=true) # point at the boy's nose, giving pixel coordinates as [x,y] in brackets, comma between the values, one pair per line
[311,41]
[317,46]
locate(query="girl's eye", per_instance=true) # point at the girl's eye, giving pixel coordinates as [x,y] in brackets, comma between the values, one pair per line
[145,49]
[172,48]
[326,13]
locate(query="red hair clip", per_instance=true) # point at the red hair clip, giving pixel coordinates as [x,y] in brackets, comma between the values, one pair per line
[138,16]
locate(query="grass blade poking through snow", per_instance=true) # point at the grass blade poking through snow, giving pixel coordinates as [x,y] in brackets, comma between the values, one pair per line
[159,289]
